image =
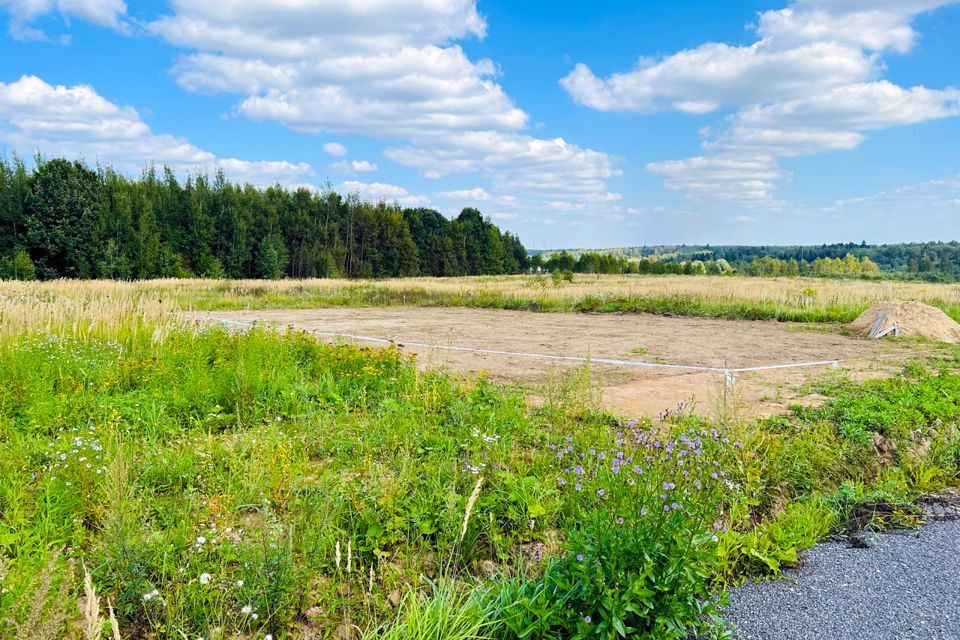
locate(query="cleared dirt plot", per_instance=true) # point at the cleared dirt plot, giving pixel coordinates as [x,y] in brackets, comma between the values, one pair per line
[655,339]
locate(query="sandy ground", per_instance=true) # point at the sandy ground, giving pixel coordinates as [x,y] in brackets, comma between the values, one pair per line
[631,391]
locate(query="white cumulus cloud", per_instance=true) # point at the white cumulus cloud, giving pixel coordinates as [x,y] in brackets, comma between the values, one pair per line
[335,149]
[812,82]
[106,13]
[76,121]
[389,70]
[381,191]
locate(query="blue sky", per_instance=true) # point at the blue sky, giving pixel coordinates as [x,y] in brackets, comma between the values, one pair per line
[574,124]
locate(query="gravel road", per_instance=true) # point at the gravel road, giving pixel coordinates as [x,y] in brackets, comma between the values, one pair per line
[906,585]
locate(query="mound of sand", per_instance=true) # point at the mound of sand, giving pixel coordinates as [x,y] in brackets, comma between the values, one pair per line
[906,319]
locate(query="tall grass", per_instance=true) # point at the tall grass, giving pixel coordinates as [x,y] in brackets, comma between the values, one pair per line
[784,299]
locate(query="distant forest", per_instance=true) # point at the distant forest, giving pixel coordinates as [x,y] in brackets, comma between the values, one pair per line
[930,261]
[61,218]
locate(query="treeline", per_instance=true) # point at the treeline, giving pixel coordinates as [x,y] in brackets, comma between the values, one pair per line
[61,218]
[931,261]
[765,266]
[596,262]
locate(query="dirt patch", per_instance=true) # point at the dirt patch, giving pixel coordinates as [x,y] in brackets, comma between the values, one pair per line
[633,391]
[912,319]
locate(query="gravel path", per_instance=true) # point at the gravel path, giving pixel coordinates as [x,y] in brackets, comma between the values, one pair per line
[906,585]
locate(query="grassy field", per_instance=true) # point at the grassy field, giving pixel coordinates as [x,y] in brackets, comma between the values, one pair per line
[261,485]
[785,299]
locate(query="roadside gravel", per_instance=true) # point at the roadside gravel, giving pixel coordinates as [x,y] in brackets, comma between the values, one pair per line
[905,585]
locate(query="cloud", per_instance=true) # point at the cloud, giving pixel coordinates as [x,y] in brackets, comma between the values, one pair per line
[389,70]
[810,83]
[354,166]
[714,75]
[938,197]
[335,149]
[380,191]
[105,13]
[76,121]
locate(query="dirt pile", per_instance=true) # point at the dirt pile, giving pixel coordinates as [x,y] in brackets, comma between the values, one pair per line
[906,319]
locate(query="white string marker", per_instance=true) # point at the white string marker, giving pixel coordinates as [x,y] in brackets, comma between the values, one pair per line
[727,371]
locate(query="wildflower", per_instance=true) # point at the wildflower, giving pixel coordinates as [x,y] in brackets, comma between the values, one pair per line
[269,636]
[587,619]
[674,506]
[152,595]
[578,470]
[201,540]
[577,486]
[600,492]
[620,520]
[204,578]
[239,583]
[254,615]
[246,610]
[643,511]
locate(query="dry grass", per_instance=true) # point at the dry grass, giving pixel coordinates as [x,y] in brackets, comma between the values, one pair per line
[83,309]
[105,308]
[803,292]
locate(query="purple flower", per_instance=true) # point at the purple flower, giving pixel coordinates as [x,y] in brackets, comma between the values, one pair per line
[600,456]
[569,447]
[587,619]
[697,484]
[579,557]
[577,486]
[593,452]
[738,444]
[561,481]
[578,470]
[600,492]
[674,506]
[643,511]
[619,520]
[666,507]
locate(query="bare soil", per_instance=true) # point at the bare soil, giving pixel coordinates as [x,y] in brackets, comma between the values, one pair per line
[631,391]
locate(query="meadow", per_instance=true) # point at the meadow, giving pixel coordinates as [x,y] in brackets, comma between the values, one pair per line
[730,297]
[166,479]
